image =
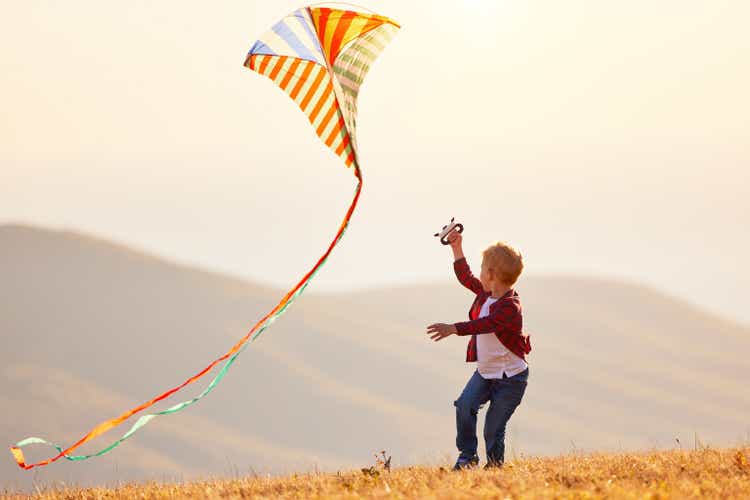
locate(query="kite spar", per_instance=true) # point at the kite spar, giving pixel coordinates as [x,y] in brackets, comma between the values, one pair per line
[319,56]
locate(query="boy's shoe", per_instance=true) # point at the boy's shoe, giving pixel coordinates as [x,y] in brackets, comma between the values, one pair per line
[493,465]
[466,463]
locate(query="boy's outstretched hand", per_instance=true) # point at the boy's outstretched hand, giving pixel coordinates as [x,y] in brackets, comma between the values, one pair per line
[438,331]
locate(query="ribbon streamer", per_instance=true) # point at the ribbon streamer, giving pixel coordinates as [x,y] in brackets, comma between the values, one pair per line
[319,56]
[232,355]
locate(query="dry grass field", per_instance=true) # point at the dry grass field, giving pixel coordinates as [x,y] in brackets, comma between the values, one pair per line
[705,473]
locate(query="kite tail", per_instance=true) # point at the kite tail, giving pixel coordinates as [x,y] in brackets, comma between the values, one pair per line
[230,357]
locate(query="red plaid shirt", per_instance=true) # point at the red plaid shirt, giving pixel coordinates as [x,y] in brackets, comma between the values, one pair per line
[505,319]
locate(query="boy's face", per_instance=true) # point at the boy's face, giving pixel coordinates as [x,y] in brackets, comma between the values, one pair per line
[488,278]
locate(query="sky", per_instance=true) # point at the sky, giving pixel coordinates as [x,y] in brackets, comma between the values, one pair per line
[601,138]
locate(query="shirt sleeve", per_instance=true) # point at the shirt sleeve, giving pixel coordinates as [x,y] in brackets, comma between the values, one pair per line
[506,319]
[465,277]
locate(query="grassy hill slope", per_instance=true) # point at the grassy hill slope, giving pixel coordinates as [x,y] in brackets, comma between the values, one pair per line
[702,473]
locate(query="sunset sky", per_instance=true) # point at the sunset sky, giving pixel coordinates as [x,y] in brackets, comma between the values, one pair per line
[601,138]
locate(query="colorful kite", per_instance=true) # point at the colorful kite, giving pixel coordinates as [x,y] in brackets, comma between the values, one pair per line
[319,56]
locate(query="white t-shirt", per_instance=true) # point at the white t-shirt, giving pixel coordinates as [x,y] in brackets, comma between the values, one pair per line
[493,358]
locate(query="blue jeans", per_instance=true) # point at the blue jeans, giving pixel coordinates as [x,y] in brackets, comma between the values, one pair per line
[505,395]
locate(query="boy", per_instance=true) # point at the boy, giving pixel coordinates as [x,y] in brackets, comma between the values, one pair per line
[497,344]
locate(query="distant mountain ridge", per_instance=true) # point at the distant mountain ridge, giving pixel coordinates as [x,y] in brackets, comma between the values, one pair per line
[90,328]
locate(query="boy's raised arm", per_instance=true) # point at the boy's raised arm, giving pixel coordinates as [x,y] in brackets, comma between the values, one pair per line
[464,275]
[461,266]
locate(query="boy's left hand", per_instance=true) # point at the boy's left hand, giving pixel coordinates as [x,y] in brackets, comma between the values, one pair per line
[439,331]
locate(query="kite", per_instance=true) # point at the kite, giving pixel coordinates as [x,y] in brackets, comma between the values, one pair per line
[319,56]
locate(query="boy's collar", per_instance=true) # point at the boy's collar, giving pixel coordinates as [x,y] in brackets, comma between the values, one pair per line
[510,292]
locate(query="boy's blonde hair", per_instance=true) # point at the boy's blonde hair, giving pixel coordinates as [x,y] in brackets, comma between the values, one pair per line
[505,262]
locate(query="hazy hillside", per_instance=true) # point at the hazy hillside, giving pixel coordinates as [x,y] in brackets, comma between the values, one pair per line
[89,328]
